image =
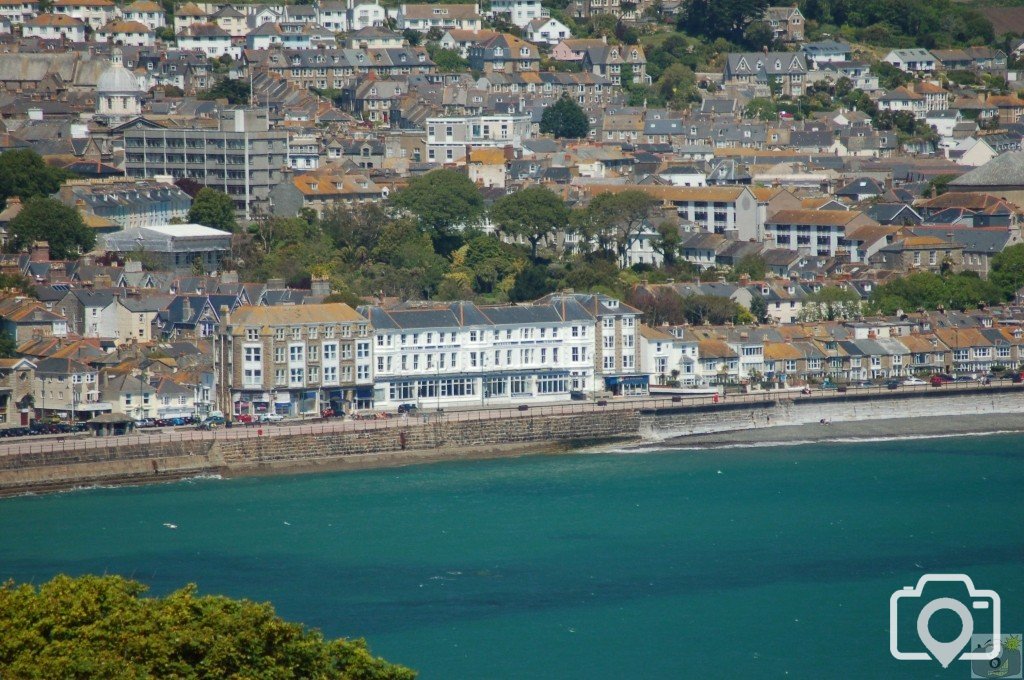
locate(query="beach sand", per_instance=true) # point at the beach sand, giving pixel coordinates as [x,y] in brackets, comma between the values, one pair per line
[858,430]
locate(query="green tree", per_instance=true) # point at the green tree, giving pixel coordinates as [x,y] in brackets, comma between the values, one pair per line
[830,303]
[447,61]
[759,308]
[702,309]
[753,266]
[235,91]
[619,217]
[531,283]
[103,627]
[722,18]
[761,108]
[667,243]
[565,120]
[23,173]
[8,347]
[213,209]
[677,85]
[533,214]
[46,219]
[443,201]
[1008,270]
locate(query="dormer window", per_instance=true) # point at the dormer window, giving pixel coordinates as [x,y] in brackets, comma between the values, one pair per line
[524,52]
[635,54]
[778,65]
[313,186]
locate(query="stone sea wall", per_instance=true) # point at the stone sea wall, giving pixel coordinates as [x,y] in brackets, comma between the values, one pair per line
[417,442]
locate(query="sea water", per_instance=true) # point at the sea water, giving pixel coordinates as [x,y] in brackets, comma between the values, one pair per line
[732,563]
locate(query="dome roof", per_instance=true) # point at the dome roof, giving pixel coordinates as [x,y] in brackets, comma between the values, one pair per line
[117,80]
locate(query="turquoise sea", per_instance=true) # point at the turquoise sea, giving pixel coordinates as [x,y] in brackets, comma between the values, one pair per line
[748,562]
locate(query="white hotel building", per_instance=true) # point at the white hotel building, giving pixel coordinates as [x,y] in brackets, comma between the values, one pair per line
[437,355]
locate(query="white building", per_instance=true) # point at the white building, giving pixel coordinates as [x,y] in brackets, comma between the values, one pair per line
[130,33]
[303,152]
[519,12]
[914,60]
[95,13]
[437,355]
[448,138]
[145,12]
[210,39]
[55,27]
[668,360]
[18,12]
[175,247]
[546,30]
[333,15]
[366,15]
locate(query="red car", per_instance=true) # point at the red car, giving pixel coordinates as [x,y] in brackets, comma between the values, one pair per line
[938,380]
[244,418]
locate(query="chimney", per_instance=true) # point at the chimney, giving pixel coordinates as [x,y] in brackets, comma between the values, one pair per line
[320,286]
[186,309]
[40,251]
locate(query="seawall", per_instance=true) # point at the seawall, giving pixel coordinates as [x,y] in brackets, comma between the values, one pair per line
[414,441]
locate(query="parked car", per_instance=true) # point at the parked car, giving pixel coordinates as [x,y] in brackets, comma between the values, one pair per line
[407,408]
[213,420]
[911,382]
[937,381]
[941,378]
[862,383]
[576,395]
[245,418]
[1017,377]
[271,418]
[964,379]
[892,384]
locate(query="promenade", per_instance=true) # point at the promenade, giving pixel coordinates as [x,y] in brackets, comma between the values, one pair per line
[294,428]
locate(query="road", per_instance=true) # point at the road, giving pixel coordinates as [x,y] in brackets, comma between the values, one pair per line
[30,444]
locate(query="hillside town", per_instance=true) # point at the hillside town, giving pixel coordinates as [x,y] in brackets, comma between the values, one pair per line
[230,213]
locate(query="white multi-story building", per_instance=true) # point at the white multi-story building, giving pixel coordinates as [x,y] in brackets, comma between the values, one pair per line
[437,355]
[667,359]
[95,13]
[448,138]
[519,12]
[729,210]
[19,11]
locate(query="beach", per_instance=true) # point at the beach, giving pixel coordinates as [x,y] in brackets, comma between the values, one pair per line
[852,431]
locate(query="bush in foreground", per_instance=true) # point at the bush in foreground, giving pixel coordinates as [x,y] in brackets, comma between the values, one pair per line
[101,627]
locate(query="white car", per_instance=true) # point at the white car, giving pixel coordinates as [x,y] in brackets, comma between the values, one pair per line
[271,418]
[914,381]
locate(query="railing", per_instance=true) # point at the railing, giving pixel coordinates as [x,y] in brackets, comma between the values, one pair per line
[426,416]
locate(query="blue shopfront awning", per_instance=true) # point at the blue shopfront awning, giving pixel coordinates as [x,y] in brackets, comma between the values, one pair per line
[365,392]
[633,380]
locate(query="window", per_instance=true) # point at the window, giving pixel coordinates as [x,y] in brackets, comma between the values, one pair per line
[279,355]
[608,342]
[253,355]
[362,372]
[250,333]
[296,376]
[313,333]
[330,351]
[314,353]
[314,374]
[278,334]
[279,376]
[608,322]
[296,353]
[329,332]
[330,374]
[609,362]
[362,350]
[627,361]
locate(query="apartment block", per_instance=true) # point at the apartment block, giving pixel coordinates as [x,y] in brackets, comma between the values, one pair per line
[293,360]
[241,157]
[449,138]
